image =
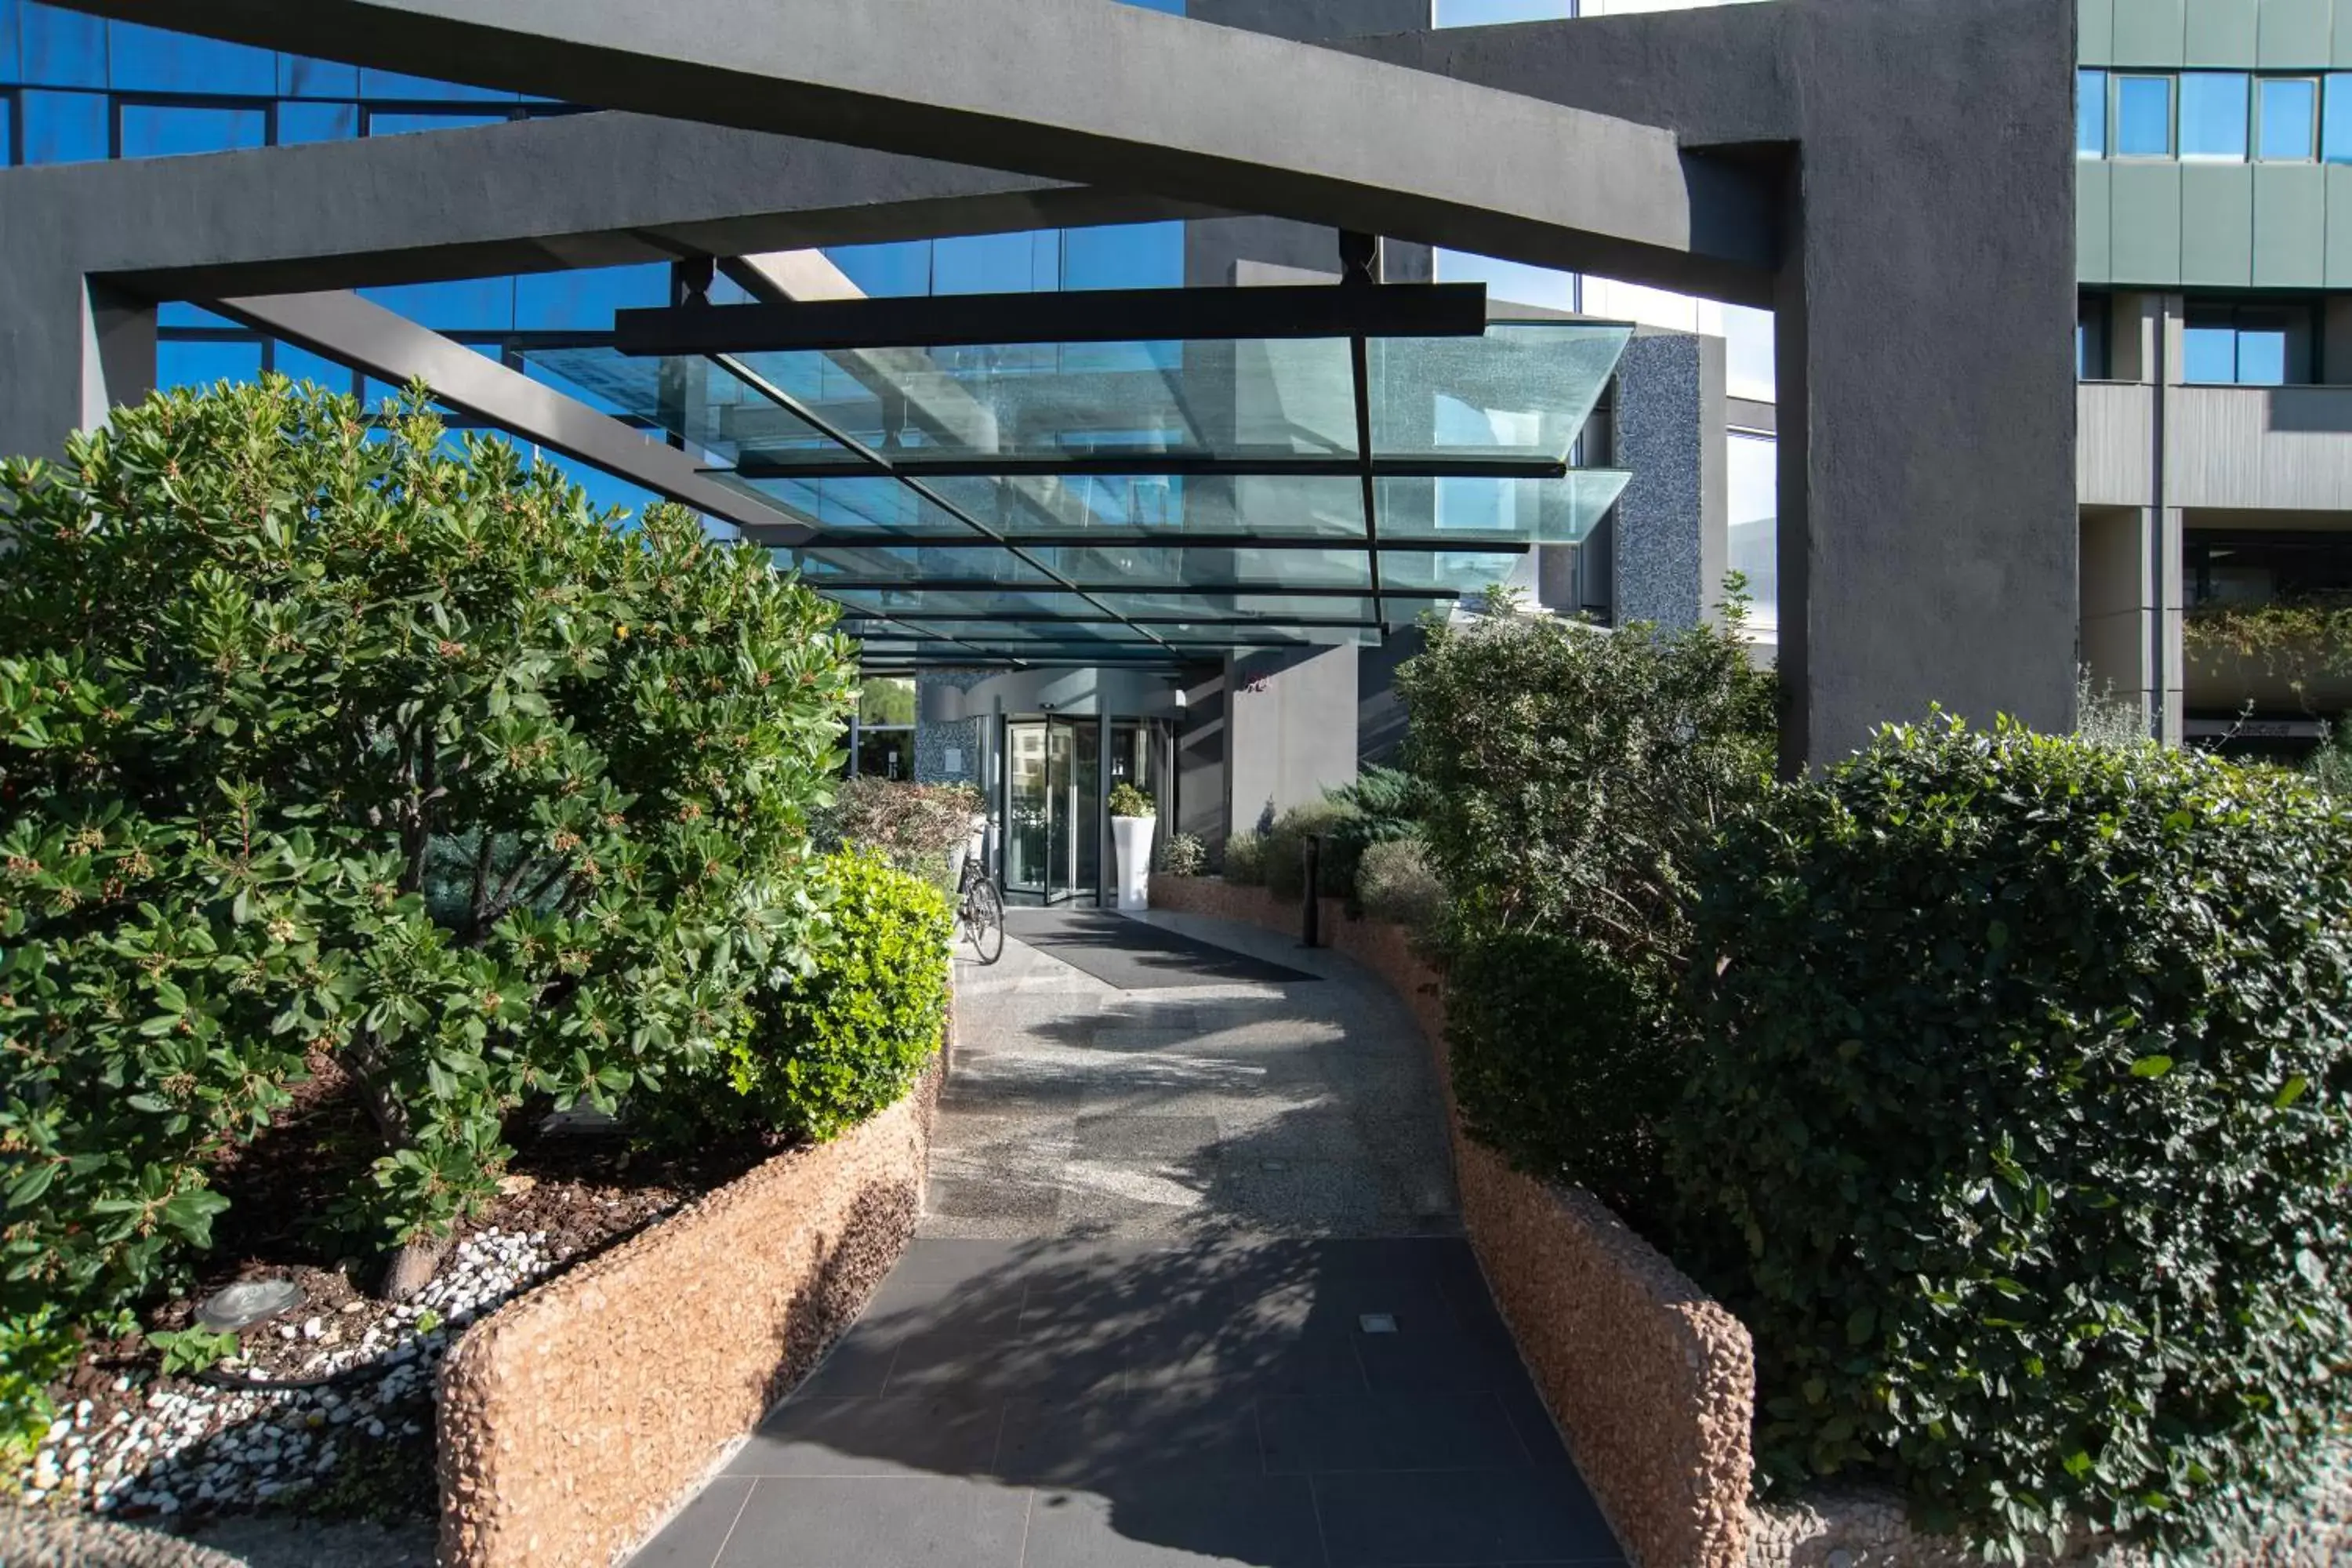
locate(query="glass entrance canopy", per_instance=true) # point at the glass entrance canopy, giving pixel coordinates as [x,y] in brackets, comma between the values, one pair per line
[1133,500]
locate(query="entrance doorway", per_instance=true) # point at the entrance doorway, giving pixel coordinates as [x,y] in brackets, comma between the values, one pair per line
[1053,773]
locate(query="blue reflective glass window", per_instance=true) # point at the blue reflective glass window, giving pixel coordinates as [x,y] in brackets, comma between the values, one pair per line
[892,271]
[62,48]
[64,127]
[1124,256]
[997,263]
[1173,8]
[7,130]
[2209,354]
[158,130]
[2290,113]
[182,364]
[393,84]
[179,313]
[148,59]
[2262,356]
[298,122]
[301,364]
[9,40]
[2143,117]
[2090,114]
[2213,115]
[1484,13]
[298,76]
[585,299]
[381,123]
[2336,124]
[467,305]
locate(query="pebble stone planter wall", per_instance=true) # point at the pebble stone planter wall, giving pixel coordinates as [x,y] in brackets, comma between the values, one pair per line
[575,1419]
[1601,1316]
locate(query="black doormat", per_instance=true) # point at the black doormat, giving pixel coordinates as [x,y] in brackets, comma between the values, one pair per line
[1134,956]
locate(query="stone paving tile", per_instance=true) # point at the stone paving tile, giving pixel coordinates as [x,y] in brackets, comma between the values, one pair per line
[1133,1330]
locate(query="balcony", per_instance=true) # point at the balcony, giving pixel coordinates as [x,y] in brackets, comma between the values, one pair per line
[2271,448]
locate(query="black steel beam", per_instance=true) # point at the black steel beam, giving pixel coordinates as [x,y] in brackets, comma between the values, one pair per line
[1122,539]
[1078,316]
[1153,464]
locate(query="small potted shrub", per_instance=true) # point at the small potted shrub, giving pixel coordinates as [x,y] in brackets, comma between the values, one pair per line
[1133,821]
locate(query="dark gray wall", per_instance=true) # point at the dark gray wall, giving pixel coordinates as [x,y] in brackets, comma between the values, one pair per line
[1924,308]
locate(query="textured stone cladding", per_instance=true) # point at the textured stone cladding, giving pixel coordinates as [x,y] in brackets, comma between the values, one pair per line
[574,1420]
[1661,433]
[1653,1382]
[934,738]
[42,1539]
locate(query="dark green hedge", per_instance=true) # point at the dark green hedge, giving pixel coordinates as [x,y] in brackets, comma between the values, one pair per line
[2020,1135]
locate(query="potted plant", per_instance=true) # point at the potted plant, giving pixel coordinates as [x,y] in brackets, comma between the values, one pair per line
[1133,820]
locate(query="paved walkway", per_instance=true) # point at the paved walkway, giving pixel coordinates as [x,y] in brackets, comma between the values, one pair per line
[1190,1290]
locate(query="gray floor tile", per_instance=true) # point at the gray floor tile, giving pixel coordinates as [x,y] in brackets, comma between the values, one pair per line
[879,1523]
[1441,1360]
[879,1437]
[1144,1137]
[860,1364]
[1343,1433]
[1263,1521]
[692,1540]
[1115,1444]
[1389,1518]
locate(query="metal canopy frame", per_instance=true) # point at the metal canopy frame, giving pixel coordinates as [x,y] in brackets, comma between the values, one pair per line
[784,424]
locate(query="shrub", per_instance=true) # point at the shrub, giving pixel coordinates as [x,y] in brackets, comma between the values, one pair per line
[1245,860]
[1571,778]
[1285,855]
[2105,719]
[821,1054]
[2023,1108]
[1394,883]
[315,737]
[1183,855]
[917,828]
[1127,800]
[1383,805]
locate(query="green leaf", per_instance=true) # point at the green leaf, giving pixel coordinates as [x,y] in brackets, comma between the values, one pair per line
[2151,1067]
[2290,1091]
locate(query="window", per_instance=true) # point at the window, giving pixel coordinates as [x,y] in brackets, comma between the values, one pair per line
[1485,13]
[157,130]
[1748,366]
[1124,256]
[299,123]
[2090,114]
[7,130]
[1754,471]
[63,127]
[1514,282]
[181,363]
[148,59]
[2143,117]
[2246,345]
[300,78]
[584,299]
[997,263]
[62,48]
[2092,362]
[885,746]
[2213,116]
[2336,126]
[8,41]
[384,122]
[301,364]
[2290,117]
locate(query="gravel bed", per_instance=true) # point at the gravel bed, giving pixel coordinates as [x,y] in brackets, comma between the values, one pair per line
[183,1446]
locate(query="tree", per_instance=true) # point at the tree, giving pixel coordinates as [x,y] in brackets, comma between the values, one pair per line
[326,739]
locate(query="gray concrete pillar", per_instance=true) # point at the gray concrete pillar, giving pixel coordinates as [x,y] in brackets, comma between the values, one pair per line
[2131,605]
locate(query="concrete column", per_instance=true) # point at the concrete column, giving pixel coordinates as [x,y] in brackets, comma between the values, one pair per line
[73,349]
[2131,603]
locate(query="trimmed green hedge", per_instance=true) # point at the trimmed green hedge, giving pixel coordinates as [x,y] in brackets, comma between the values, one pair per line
[2021,1131]
[820,1055]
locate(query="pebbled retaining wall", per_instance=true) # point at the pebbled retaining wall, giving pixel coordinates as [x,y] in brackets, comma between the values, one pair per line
[575,1419]
[1653,1382]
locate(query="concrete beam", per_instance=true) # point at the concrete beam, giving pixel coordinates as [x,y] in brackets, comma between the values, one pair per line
[389,346]
[1084,91]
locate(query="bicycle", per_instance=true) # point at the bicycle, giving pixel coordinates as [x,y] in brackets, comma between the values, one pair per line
[980,909]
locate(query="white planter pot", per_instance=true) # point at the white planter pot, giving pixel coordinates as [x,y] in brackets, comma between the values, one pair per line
[1133,836]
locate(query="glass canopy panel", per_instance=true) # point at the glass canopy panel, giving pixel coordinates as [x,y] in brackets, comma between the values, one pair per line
[1291,608]
[1213,635]
[1315,504]
[926,602]
[693,399]
[847,508]
[1045,629]
[912,564]
[1499,511]
[1460,571]
[1271,398]
[1207,566]
[1524,390]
